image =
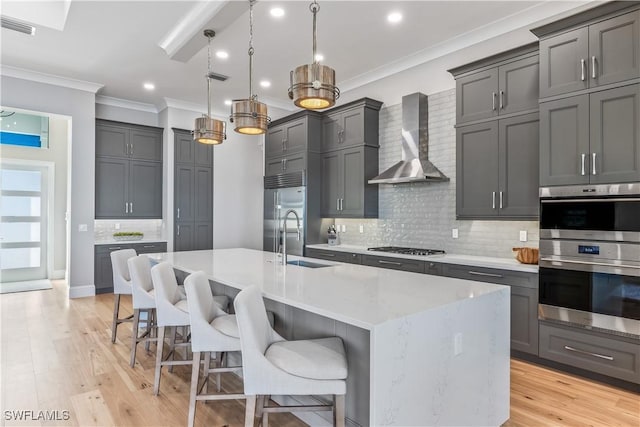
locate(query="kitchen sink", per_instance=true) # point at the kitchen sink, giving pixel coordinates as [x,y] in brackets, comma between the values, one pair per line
[302,263]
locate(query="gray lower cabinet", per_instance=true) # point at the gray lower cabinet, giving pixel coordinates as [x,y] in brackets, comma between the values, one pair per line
[415,266]
[193,194]
[592,138]
[338,256]
[609,355]
[103,271]
[346,192]
[497,168]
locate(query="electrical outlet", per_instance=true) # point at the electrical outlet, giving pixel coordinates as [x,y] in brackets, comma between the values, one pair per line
[82,227]
[454,233]
[117,226]
[344,228]
[523,235]
[361,229]
[457,344]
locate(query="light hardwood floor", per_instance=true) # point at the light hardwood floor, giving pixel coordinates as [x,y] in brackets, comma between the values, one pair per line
[57,355]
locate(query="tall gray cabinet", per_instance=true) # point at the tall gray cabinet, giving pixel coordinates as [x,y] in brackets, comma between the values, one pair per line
[497,135]
[128,171]
[193,193]
[590,97]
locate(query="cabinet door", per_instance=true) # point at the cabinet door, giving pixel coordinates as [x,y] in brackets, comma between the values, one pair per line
[203,195]
[274,141]
[477,96]
[615,135]
[564,141]
[614,49]
[103,277]
[564,63]
[204,154]
[477,170]
[294,163]
[274,166]
[112,140]
[112,187]
[296,136]
[202,236]
[352,127]
[331,131]
[524,319]
[145,189]
[145,145]
[352,203]
[331,183]
[183,198]
[519,82]
[183,237]
[519,167]
[184,148]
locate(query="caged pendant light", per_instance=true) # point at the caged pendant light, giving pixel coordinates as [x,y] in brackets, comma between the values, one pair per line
[250,115]
[313,85]
[206,129]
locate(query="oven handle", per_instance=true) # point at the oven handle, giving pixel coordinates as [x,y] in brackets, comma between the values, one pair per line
[588,353]
[605,264]
[593,200]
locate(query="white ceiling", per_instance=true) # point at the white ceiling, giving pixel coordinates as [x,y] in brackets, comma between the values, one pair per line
[118,44]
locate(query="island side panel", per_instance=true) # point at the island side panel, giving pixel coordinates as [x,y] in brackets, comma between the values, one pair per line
[418,379]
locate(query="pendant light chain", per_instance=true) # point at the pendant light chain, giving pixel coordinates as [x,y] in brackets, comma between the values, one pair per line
[209,75]
[251,50]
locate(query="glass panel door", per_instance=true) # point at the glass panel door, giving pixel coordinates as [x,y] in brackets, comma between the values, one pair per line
[23,223]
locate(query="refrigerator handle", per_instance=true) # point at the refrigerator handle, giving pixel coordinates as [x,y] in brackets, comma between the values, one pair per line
[275,219]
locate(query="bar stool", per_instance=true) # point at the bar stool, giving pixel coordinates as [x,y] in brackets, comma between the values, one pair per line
[144,300]
[171,311]
[273,366]
[121,285]
[212,330]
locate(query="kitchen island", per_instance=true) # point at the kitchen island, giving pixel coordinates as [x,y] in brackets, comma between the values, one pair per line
[422,350]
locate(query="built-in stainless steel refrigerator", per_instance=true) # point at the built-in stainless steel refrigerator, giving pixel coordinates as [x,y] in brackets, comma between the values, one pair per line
[277,201]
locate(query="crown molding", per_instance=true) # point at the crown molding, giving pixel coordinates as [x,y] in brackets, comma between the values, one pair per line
[191,106]
[276,103]
[125,103]
[21,73]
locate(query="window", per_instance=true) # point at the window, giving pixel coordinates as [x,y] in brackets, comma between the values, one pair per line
[22,129]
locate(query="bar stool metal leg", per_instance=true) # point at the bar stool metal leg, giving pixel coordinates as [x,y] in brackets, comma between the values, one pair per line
[134,336]
[116,310]
[159,345]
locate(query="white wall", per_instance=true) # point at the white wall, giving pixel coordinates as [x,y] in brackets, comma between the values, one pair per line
[57,154]
[80,106]
[126,115]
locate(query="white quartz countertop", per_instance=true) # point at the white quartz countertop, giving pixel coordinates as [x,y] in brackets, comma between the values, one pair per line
[111,241]
[358,295]
[470,260]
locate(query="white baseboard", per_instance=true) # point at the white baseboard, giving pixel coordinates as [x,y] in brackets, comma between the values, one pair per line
[82,291]
[58,274]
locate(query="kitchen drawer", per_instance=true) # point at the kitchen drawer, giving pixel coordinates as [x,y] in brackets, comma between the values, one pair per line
[433,268]
[337,256]
[414,266]
[618,358]
[150,248]
[491,275]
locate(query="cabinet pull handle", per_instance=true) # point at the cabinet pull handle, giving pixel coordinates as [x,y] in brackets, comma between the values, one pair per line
[178,213]
[582,156]
[116,248]
[493,200]
[337,204]
[501,199]
[284,145]
[126,207]
[149,246]
[478,273]
[178,229]
[501,99]
[493,101]
[282,164]
[330,255]
[593,163]
[582,64]
[131,207]
[341,204]
[588,353]
[131,150]
[388,262]
[593,67]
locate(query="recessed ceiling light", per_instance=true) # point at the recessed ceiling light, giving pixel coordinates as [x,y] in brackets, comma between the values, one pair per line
[394,17]
[222,54]
[265,83]
[277,12]
[319,57]
[149,86]
[227,102]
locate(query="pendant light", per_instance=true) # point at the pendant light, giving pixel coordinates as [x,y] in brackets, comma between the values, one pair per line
[313,86]
[206,129]
[250,115]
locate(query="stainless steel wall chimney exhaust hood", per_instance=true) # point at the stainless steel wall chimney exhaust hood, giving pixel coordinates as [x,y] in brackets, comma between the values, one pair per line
[415,165]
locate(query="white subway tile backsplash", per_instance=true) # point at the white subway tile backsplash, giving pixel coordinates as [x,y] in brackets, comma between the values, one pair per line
[104,228]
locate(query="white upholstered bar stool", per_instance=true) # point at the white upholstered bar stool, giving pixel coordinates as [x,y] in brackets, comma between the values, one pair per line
[121,285]
[273,366]
[172,311]
[144,300]
[212,330]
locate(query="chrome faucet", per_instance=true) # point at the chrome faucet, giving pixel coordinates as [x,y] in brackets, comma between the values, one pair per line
[284,233]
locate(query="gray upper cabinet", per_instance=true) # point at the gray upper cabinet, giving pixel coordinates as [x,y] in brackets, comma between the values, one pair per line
[500,85]
[592,138]
[189,153]
[331,183]
[128,171]
[351,125]
[497,168]
[286,138]
[606,51]
[295,162]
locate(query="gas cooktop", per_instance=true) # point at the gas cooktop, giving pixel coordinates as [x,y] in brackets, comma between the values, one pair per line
[407,251]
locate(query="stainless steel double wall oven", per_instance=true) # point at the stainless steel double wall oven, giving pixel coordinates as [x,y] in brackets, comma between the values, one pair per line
[590,257]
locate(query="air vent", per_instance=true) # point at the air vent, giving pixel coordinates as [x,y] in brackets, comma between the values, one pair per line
[21,27]
[216,76]
[294,179]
